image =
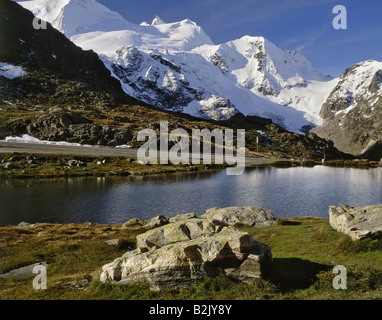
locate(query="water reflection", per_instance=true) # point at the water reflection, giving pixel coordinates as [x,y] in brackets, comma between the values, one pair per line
[287,192]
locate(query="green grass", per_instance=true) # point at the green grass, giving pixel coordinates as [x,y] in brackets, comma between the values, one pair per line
[305,251]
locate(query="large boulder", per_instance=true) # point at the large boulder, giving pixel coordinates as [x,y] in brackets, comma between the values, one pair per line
[249,216]
[357,222]
[183,253]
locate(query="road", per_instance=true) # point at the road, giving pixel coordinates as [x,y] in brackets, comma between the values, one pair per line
[92,151]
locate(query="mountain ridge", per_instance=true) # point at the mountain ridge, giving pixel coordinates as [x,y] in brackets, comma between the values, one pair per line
[206,79]
[176,66]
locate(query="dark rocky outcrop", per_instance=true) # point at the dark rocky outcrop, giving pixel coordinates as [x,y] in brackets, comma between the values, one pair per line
[62,125]
[57,71]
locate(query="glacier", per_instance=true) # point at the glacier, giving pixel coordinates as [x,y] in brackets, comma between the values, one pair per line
[176,66]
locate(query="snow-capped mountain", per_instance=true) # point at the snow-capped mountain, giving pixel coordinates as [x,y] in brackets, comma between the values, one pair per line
[73,17]
[353,111]
[176,66]
[359,84]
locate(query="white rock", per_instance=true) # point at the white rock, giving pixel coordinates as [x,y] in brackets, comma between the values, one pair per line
[183,253]
[357,222]
[250,216]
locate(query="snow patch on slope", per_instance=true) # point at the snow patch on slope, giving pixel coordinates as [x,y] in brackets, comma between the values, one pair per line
[25,138]
[10,71]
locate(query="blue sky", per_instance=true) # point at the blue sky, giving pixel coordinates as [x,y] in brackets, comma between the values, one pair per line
[304,25]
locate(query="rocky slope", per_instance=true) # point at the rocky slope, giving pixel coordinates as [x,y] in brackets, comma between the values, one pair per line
[353,111]
[122,124]
[42,67]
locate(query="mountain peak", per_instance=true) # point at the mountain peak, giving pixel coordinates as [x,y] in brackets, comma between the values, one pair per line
[73,17]
[157,21]
[352,112]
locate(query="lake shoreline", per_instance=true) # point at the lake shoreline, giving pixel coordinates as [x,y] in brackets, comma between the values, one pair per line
[35,165]
[287,191]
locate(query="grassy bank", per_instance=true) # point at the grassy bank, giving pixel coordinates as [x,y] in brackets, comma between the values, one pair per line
[357,163]
[305,250]
[29,165]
